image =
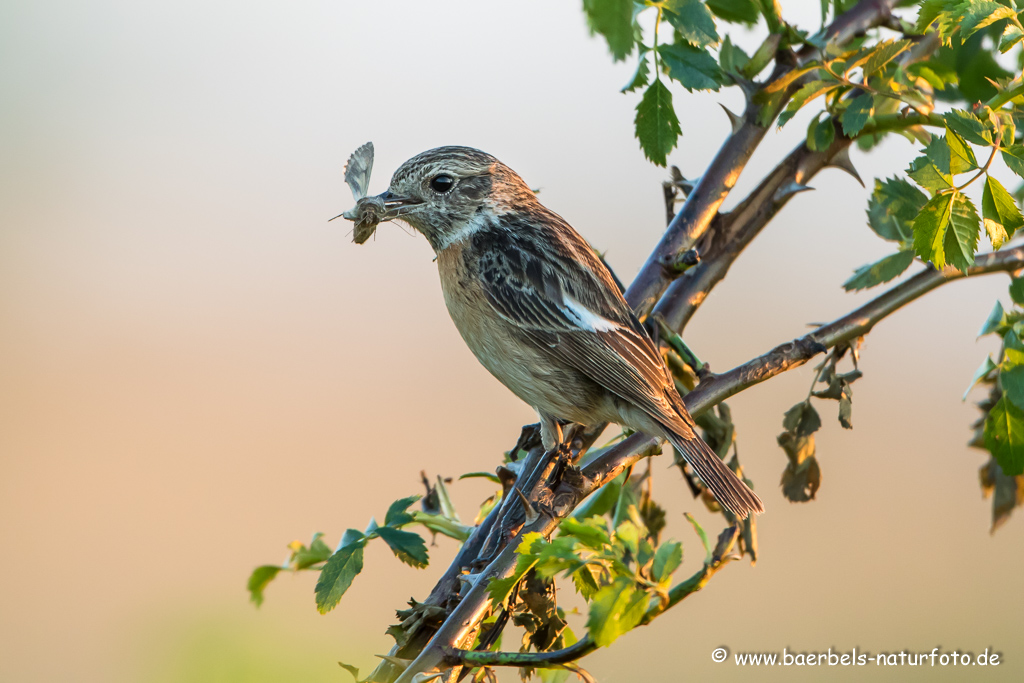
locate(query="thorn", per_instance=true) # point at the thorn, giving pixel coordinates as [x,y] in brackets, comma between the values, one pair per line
[424,677]
[402,664]
[790,189]
[506,476]
[468,579]
[735,120]
[528,510]
[841,160]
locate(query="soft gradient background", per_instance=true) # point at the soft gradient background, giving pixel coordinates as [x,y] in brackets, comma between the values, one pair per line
[196,368]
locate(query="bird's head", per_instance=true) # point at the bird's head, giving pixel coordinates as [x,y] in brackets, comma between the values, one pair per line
[447,192]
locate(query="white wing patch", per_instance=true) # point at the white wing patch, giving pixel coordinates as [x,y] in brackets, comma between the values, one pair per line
[585,318]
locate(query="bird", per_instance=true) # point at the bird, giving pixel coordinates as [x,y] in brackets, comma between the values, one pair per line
[542,312]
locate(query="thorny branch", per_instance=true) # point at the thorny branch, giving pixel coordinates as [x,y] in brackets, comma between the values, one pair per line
[703,203]
[552,499]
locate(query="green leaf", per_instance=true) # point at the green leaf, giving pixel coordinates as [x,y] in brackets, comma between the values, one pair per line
[641,77]
[969,126]
[889,268]
[986,367]
[258,580]
[857,114]
[708,556]
[341,568]
[764,54]
[961,156]
[802,419]
[995,320]
[820,134]
[500,589]
[1013,156]
[1011,379]
[1017,290]
[693,20]
[932,170]
[396,514]
[977,14]
[585,583]
[736,11]
[1012,34]
[732,58]
[692,67]
[613,19]
[614,610]
[318,551]
[930,229]
[1002,217]
[657,127]
[893,206]
[406,545]
[1004,436]
[666,560]
[805,94]
[962,239]
[590,535]
[885,52]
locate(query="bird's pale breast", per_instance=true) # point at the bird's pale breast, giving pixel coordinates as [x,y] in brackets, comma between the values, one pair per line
[500,347]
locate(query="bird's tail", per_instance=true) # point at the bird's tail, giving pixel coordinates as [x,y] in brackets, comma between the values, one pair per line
[716,475]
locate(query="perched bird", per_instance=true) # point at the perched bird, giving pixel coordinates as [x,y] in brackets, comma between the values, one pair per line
[541,311]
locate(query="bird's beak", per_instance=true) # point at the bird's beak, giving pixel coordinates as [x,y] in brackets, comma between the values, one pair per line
[396,204]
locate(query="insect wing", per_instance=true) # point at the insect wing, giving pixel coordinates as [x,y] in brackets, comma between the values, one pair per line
[357,170]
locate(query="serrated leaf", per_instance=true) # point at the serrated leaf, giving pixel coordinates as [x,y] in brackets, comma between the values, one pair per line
[657,127]
[995,320]
[1013,33]
[736,11]
[893,206]
[1011,379]
[396,514]
[614,610]
[667,559]
[977,14]
[337,575]
[258,580]
[613,19]
[1017,290]
[857,114]
[642,75]
[694,68]
[885,270]
[969,126]
[820,134]
[984,369]
[1002,217]
[693,20]
[1013,156]
[931,171]
[585,583]
[802,419]
[406,545]
[1004,436]
[930,229]
[590,535]
[805,94]
[961,156]
[885,52]
[962,239]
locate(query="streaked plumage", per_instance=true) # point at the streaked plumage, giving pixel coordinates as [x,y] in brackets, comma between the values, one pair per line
[541,312]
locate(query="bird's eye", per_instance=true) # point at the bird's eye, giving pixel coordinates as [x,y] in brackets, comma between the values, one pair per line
[442,183]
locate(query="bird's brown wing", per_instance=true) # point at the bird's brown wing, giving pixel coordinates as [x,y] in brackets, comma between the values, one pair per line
[556,292]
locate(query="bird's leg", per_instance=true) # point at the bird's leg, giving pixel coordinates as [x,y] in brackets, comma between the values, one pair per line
[550,432]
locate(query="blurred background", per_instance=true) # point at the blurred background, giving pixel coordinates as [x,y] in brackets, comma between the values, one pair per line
[196,368]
